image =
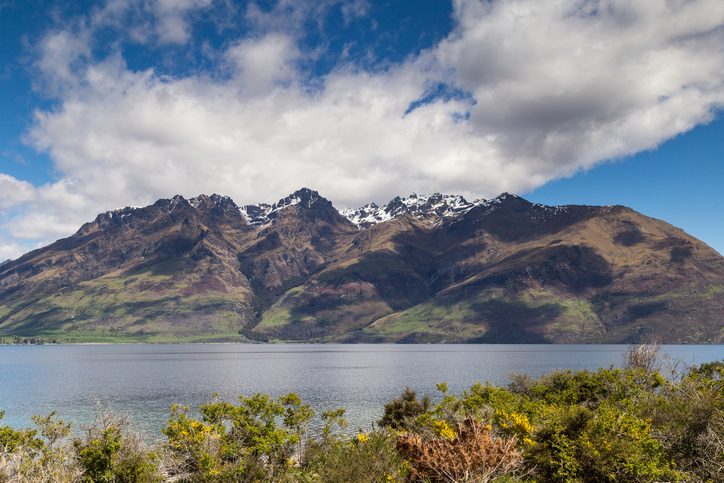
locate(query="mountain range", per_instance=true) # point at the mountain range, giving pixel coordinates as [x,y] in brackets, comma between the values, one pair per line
[421,269]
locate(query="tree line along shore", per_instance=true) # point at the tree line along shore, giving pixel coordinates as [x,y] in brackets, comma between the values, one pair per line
[653,419]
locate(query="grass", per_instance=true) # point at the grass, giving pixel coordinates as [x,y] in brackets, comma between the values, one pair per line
[144,301]
[471,316]
[106,337]
[577,318]
[165,269]
[5,310]
[445,318]
[278,315]
[417,319]
[346,309]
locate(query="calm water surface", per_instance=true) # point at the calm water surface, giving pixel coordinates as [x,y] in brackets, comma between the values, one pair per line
[144,380]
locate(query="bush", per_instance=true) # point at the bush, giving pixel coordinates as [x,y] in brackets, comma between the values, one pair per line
[112,451]
[469,455]
[607,445]
[241,442]
[194,447]
[401,413]
[368,457]
[643,357]
[688,417]
[11,439]
[29,459]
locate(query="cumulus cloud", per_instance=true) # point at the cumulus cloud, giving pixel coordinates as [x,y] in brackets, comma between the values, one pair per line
[291,16]
[14,192]
[10,250]
[261,65]
[540,91]
[564,85]
[151,137]
[147,21]
[60,54]
[40,213]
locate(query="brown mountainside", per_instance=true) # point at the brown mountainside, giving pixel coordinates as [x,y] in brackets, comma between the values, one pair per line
[420,269]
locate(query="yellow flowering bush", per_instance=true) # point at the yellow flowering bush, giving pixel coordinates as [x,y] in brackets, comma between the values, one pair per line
[194,446]
[443,429]
[514,424]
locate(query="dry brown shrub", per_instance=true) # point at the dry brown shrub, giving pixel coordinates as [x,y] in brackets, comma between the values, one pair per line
[471,455]
[645,357]
[24,465]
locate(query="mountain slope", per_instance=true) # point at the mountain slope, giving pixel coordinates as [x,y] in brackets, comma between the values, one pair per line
[167,268]
[511,271]
[419,269]
[610,276]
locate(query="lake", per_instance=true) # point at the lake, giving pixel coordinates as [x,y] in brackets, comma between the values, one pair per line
[144,380]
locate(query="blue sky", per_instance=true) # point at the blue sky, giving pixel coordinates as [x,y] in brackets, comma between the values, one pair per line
[121,102]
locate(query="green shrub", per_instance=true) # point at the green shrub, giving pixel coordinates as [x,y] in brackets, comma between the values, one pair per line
[401,412]
[368,457]
[243,442]
[585,387]
[11,439]
[96,455]
[710,370]
[113,452]
[605,445]
[45,459]
[194,447]
[688,417]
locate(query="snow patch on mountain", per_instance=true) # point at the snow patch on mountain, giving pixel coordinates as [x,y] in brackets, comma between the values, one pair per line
[436,207]
[262,213]
[545,213]
[256,214]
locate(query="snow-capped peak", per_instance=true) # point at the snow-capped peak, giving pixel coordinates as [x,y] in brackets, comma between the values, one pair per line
[261,213]
[435,206]
[256,214]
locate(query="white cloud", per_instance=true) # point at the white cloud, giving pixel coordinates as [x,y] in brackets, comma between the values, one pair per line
[172,24]
[14,192]
[61,52]
[355,9]
[173,29]
[564,85]
[43,213]
[42,226]
[261,65]
[556,87]
[159,21]
[10,250]
[290,16]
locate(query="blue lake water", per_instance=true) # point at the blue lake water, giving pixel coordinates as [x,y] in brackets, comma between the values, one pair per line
[144,380]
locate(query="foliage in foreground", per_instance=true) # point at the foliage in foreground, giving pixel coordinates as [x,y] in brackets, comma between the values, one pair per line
[645,422]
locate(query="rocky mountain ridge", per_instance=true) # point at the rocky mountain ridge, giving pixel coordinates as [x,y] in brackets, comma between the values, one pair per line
[432,268]
[436,206]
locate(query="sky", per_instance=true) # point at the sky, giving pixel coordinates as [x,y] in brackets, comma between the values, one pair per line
[115,103]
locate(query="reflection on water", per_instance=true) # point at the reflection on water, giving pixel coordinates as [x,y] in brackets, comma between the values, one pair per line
[144,380]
